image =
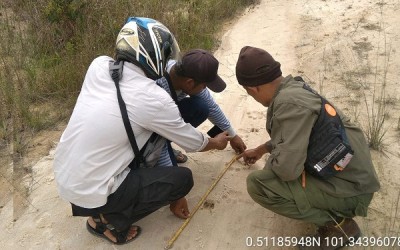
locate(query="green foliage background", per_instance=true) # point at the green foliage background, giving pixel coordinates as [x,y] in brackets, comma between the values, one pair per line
[47,45]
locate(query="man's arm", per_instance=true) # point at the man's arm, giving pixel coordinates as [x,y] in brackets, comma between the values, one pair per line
[218,118]
[292,125]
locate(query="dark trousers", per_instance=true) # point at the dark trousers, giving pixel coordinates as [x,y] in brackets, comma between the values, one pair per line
[194,111]
[143,191]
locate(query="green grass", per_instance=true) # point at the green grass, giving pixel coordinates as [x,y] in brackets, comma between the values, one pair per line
[48,45]
[377,109]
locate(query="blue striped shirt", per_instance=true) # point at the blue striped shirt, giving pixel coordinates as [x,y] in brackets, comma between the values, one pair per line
[215,116]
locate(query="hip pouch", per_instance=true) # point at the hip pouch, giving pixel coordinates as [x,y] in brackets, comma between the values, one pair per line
[329,151]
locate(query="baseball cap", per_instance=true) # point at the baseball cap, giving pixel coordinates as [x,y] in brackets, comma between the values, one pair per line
[202,66]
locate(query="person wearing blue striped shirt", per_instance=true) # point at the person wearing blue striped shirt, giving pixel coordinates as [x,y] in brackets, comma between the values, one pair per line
[189,79]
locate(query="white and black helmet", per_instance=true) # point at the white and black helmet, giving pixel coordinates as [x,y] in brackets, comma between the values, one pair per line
[148,44]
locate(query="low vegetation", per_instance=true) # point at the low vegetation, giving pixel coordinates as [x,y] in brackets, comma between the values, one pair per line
[47,45]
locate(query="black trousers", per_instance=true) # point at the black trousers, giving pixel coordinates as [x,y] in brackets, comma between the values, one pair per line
[143,191]
[194,111]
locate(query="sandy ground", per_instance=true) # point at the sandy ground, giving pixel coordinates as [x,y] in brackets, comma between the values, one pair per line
[337,45]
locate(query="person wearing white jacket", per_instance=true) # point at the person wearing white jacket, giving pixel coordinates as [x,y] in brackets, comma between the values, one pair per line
[94,162]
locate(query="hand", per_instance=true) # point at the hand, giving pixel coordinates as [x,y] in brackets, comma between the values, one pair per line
[218,142]
[221,140]
[251,156]
[237,144]
[180,208]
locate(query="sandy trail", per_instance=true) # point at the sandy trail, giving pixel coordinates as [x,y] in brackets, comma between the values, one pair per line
[321,40]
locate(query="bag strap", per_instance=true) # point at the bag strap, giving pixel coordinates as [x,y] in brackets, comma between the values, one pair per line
[171,88]
[116,74]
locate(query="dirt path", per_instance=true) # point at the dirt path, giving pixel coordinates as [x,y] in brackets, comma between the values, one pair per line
[336,45]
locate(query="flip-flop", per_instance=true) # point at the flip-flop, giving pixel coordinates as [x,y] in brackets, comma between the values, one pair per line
[120,236]
[179,156]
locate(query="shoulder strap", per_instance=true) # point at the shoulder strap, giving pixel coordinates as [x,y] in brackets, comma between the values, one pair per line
[171,88]
[116,74]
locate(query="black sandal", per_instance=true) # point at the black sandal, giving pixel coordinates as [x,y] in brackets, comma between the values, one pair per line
[179,156]
[101,227]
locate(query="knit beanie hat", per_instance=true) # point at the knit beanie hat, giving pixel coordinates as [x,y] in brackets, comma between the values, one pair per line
[256,67]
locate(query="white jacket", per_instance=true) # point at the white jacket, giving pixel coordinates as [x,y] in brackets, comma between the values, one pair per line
[92,156]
